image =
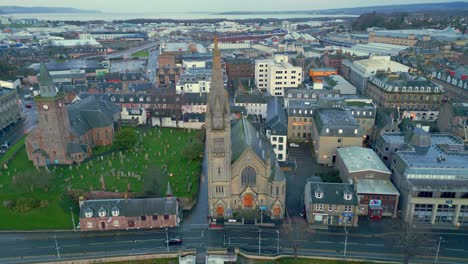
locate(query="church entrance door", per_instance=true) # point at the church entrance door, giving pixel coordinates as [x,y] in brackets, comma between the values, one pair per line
[277,212]
[248,201]
[220,210]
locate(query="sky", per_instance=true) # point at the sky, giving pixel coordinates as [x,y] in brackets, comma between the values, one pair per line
[145,6]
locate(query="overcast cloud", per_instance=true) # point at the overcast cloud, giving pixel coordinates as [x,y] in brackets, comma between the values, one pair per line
[207,5]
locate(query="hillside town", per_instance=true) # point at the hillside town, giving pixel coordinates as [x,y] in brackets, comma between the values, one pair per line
[269,137]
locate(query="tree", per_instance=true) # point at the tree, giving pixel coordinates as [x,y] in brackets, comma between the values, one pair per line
[154,181]
[125,139]
[193,150]
[413,243]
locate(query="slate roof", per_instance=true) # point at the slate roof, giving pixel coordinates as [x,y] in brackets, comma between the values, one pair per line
[245,136]
[132,207]
[333,193]
[44,75]
[89,113]
[334,120]
[276,118]
[73,148]
[251,99]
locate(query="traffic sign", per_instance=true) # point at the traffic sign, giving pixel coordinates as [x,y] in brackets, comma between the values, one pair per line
[263,207]
[347,214]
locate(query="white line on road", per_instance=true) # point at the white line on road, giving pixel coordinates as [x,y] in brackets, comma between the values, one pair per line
[326,242]
[456,249]
[375,245]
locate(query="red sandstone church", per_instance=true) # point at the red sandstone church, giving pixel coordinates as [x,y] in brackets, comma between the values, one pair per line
[66,133]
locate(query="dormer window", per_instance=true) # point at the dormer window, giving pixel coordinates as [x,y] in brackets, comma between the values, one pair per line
[340,131]
[88,213]
[355,131]
[348,196]
[319,194]
[115,211]
[327,130]
[102,212]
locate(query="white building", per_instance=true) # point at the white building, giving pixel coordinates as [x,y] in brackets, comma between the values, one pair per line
[362,70]
[193,64]
[273,76]
[254,104]
[132,114]
[277,129]
[194,80]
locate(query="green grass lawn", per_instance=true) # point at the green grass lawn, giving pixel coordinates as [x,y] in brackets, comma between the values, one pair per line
[243,260]
[149,261]
[158,147]
[141,53]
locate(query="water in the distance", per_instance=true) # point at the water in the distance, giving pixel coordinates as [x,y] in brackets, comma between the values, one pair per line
[168,15]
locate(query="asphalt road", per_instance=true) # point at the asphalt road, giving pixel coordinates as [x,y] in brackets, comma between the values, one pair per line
[152,65]
[23,126]
[128,52]
[49,246]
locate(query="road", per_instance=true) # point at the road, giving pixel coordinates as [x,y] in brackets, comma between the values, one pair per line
[152,65]
[23,126]
[49,246]
[128,52]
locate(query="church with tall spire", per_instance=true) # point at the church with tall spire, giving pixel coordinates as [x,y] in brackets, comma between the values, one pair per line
[243,173]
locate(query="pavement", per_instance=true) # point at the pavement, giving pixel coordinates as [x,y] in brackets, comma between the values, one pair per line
[152,65]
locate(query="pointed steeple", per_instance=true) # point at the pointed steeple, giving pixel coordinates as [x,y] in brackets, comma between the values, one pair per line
[169,190]
[218,105]
[44,75]
[46,84]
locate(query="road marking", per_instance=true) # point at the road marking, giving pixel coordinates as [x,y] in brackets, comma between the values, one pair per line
[202,233]
[456,249]
[327,242]
[375,245]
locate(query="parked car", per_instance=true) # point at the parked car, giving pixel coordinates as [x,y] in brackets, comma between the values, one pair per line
[293,145]
[28,105]
[5,145]
[175,240]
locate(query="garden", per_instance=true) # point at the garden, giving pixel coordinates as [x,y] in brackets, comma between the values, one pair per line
[141,162]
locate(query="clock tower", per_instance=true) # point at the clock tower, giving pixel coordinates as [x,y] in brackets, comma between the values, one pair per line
[53,122]
[218,142]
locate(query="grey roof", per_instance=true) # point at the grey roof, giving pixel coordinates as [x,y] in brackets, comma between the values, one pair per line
[371,186]
[245,136]
[358,159]
[44,75]
[277,122]
[297,107]
[90,113]
[132,207]
[252,99]
[333,193]
[73,148]
[334,120]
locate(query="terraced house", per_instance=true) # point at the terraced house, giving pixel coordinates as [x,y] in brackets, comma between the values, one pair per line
[9,109]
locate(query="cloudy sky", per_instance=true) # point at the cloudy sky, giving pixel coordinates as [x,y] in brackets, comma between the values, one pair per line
[126,6]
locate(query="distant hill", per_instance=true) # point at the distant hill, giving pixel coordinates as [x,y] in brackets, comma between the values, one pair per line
[368,9]
[40,9]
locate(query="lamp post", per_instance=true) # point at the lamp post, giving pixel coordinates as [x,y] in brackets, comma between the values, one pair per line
[438,249]
[345,243]
[259,241]
[277,242]
[57,247]
[73,219]
[167,240]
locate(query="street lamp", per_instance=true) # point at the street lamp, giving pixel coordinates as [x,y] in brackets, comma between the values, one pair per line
[167,240]
[57,247]
[345,243]
[259,241]
[438,249]
[73,219]
[277,242]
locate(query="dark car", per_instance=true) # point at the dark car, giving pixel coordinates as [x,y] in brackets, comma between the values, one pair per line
[28,105]
[176,240]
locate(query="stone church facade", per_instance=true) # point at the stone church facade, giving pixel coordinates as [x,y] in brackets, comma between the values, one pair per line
[243,173]
[66,134]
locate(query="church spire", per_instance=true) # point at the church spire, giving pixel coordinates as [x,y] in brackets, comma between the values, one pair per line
[218,105]
[46,83]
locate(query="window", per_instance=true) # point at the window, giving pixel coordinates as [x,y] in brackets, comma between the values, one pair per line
[347,208]
[330,207]
[355,131]
[280,156]
[340,131]
[88,213]
[318,194]
[339,140]
[248,176]
[319,207]
[102,212]
[116,223]
[155,218]
[348,196]
[280,147]
[166,217]
[425,194]
[131,223]
[447,195]
[89,224]
[274,138]
[280,139]
[115,211]
[143,218]
[327,130]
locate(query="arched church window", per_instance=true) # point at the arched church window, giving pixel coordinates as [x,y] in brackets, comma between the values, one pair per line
[248,176]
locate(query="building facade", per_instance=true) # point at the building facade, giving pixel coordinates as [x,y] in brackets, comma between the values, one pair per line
[194,81]
[330,204]
[9,109]
[238,68]
[277,129]
[415,97]
[333,129]
[273,76]
[243,174]
[125,214]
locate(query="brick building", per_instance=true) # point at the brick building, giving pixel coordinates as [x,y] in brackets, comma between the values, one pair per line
[66,134]
[124,214]
[237,68]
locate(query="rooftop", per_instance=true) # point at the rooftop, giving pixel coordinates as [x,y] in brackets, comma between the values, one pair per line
[333,193]
[336,117]
[370,186]
[358,159]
